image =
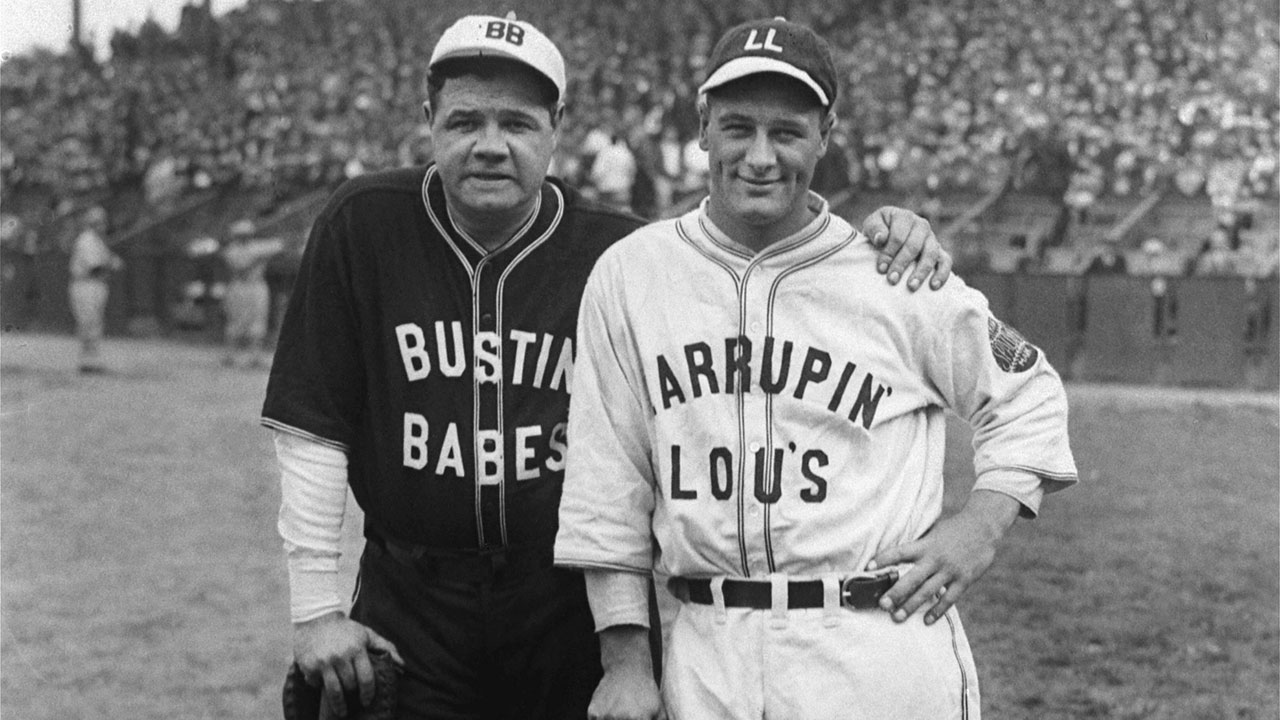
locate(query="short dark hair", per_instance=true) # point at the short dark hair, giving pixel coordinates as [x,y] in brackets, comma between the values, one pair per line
[488,68]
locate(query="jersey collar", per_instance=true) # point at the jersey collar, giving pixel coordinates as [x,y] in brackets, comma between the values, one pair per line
[547,213]
[821,235]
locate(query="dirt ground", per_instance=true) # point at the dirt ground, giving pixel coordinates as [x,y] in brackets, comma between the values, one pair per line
[141,575]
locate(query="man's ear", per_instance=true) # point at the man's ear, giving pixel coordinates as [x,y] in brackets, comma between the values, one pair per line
[556,118]
[824,130]
[704,119]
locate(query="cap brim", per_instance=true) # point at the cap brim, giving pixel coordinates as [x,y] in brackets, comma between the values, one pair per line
[750,65]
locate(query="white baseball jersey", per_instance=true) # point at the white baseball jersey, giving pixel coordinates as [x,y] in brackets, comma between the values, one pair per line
[782,412]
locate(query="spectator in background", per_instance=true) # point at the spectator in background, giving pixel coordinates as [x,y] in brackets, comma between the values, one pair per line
[20,243]
[1216,257]
[697,168]
[1108,261]
[592,143]
[1158,259]
[613,174]
[1083,192]
[161,184]
[831,175]
[931,204]
[669,169]
[92,263]
[248,298]
[1131,92]
[644,192]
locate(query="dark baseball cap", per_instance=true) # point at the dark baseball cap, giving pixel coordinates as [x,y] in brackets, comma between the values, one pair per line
[774,46]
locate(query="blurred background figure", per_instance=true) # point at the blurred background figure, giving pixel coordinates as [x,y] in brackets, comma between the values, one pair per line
[92,263]
[1109,260]
[832,174]
[669,168]
[199,303]
[613,174]
[1026,132]
[248,299]
[1216,256]
[1157,258]
[696,168]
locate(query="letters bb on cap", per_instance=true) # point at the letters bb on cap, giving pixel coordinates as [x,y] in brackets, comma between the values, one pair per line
[774,46]
[489,36]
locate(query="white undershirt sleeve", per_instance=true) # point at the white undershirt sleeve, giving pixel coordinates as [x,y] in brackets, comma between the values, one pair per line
[617,598]
[313,496]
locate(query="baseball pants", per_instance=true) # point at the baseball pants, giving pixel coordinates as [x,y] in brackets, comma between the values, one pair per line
[480,643]
[818,663]
[88,306]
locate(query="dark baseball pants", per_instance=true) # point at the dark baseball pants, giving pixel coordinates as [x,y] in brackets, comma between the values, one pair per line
[482,639]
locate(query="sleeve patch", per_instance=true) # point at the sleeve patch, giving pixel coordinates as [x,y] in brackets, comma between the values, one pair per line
[1012,351]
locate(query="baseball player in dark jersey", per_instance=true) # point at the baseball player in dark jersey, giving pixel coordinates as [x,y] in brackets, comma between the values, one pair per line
[424,362]
[763,423]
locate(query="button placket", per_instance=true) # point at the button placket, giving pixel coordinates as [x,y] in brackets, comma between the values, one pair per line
[755,309]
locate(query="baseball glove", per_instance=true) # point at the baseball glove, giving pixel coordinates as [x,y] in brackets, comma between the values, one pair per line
[302,699]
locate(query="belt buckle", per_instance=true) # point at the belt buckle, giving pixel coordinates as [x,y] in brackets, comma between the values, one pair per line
[862,592]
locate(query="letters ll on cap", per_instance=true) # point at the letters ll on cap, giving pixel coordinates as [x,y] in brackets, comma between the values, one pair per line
[774,46]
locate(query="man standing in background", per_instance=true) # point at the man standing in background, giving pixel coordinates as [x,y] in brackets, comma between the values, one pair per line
[92,263]
[613,174]
[248,298]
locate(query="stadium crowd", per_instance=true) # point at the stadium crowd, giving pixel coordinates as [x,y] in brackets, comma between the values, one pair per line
[1082,100]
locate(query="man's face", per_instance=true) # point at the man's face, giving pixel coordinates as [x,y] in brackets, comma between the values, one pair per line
[493,141]
[763,136]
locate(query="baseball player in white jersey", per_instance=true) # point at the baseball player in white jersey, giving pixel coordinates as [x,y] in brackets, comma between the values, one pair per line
[760,420]
[248,299]
[90,267]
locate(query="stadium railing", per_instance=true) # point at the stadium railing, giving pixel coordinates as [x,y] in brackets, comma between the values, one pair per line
[1183,331]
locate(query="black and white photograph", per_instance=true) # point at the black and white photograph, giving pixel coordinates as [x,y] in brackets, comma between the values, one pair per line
[640,359]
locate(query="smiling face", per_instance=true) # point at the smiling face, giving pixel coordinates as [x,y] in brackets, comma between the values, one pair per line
[493,136]
[763,135]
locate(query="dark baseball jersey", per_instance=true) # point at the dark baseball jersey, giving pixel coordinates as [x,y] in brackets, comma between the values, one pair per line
[442,370]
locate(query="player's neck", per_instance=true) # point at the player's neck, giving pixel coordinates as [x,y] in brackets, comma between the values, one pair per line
[492,230]
[758,237]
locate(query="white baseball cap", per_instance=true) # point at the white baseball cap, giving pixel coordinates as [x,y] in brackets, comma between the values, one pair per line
[491,36]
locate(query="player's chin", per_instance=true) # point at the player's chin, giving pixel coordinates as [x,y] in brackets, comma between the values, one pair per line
[758,210]
[494,199]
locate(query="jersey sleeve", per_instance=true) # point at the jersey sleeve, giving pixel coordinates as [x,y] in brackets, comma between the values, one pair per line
[316,387]
[1007,391]
[607,506]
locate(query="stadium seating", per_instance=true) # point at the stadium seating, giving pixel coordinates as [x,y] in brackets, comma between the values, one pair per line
[986,116]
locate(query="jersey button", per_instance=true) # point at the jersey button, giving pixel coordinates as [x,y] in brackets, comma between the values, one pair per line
[754,447]
[753,511]
[486,319]
[756,327]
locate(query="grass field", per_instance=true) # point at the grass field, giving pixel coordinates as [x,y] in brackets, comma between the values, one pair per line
[142,577]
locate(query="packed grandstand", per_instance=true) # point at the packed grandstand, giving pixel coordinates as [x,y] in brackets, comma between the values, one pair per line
[1031,133]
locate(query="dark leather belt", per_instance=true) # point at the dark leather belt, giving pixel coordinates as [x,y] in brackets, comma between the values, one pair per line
[861,593]
[479,565]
